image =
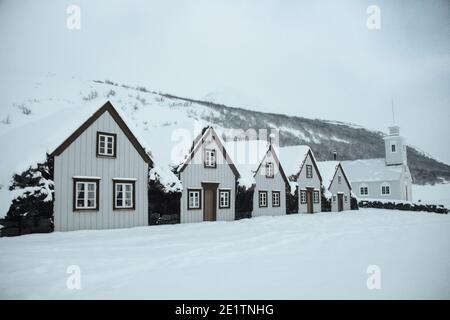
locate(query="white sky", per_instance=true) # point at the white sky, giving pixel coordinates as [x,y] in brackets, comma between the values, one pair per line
[307,58]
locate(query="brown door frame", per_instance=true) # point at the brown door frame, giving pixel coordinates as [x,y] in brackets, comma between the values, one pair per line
[212,186]
[310,200]
[340,201]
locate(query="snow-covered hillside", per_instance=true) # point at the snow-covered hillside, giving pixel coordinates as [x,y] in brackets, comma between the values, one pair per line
[297,256]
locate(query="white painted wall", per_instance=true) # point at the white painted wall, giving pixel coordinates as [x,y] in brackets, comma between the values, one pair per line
[79,159]
[304,182]
[263,183]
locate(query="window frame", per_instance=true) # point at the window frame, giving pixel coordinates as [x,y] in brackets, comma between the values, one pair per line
[339,179]
[133,194]
[273,199]
[316,192]
[394,144]
[303,192]
[367,190]
[384,186]
[270,164]
[214,151]
[199,199]
[259,198]
[75,194]
[227,191]
[114,145]
[310,170]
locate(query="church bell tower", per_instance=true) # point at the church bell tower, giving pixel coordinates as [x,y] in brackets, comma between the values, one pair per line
[395,147]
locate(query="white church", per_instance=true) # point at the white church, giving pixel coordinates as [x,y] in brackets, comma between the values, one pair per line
[383,178]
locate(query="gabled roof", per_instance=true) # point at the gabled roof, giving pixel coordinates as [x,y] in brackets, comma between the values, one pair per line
[294,157]
[198,142]
[277,161]
[328,170]
[107,107]
[371,170]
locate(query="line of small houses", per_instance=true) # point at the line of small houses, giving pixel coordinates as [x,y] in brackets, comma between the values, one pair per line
[101,181]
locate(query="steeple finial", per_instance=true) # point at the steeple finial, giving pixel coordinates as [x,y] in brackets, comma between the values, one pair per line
[393,112]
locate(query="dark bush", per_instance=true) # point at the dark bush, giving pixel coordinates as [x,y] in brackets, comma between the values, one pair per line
[403,206]
[244,202]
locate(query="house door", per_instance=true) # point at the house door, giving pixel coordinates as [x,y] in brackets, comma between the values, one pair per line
[210,202]
[309,200]
[340,202]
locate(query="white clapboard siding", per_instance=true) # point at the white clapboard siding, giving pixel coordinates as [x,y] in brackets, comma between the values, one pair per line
[193,176]
[262,183]
[339,188]
[304,183]
[79,159]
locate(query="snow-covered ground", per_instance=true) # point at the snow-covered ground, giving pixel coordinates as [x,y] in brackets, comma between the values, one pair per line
[438,194]
[298,256]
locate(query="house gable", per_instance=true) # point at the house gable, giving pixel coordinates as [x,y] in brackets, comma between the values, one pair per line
[339,169]
[107,107]
[313,160]
[277,162]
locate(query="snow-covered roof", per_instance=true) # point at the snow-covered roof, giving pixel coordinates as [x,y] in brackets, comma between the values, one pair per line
[367,170]
[327,171]
[247,155]
[292,158]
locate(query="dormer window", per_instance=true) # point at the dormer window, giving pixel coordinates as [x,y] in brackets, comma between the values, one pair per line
[269,170]
[210,158]
[106,144]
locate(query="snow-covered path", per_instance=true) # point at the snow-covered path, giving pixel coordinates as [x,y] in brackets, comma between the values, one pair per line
[298,256]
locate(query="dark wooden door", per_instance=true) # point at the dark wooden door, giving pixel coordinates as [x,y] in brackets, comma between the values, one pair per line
[340,202]
[309,200]
[210,202]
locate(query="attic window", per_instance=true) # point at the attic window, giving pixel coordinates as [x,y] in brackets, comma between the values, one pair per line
[210,158]
[339,179]
[269,170]
[309,173]
[106,144]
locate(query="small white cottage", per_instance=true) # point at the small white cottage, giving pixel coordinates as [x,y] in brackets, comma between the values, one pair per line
[209,178]
[260,168]
[300,165]
[385,178]
[101,175]
[337,187]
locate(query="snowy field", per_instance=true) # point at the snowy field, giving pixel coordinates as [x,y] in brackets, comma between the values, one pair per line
[323,255]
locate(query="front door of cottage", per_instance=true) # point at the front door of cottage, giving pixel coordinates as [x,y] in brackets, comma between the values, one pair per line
[340,202]
[210,201]
[309,200]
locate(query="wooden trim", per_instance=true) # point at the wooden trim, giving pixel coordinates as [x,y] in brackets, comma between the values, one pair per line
[204,158]
[107,107]
[308,166]
[229,199]
[97,194]
[133,194]
[273,170]
[98,145]
[279,199]
[259,198]
[199,199]
[196,146]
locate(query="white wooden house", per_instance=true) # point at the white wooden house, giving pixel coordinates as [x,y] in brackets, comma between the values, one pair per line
[209,178]
[260,169]
[300,165]
[101,175]
[337,187]
[387,178]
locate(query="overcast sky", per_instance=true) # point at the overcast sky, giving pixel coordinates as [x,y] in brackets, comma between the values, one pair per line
[307,58]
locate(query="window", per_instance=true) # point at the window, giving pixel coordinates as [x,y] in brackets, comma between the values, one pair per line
[309,173]
[316,196]
[269,170]
[275,198]
[194,199]
[124,194]
[339,179]
[385,189]
[262,199]
[210,158]
[303,196]
[86,193]
[334,198]
[224,198]
[363,190]
[393,147]
[106,144]
[345,198]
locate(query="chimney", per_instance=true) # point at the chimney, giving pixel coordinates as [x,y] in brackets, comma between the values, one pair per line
[334,155]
